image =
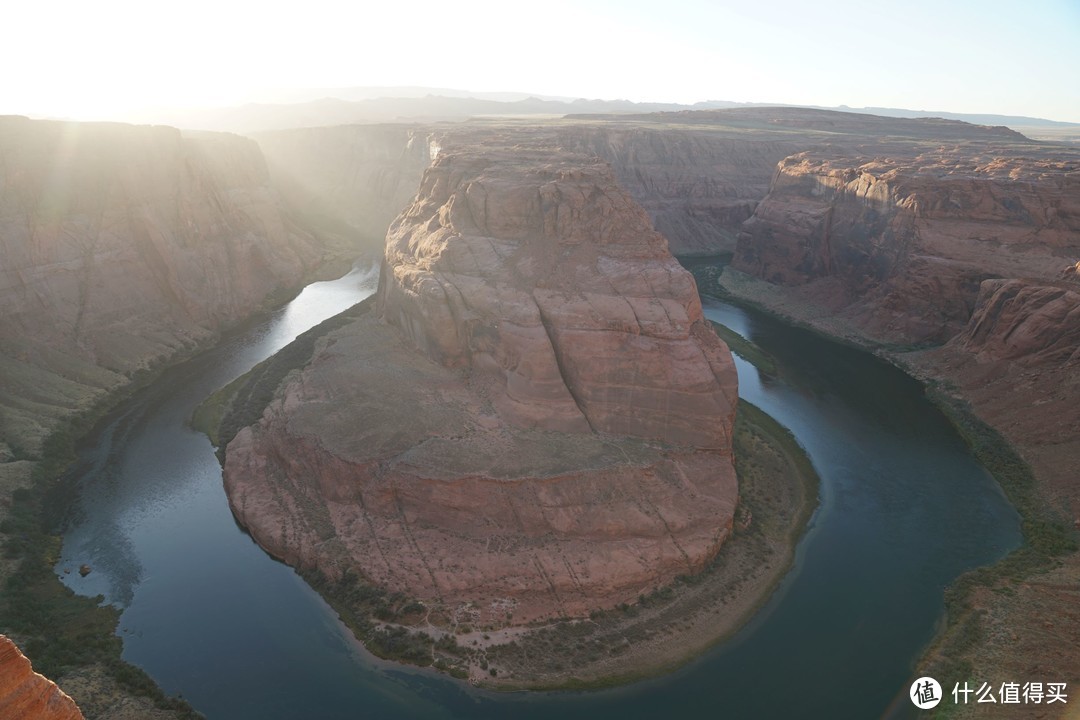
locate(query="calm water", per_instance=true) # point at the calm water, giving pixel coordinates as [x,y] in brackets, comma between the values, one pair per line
[904,509]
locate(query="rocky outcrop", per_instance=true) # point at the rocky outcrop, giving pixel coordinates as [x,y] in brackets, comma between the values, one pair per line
[900,241]
[1030,323]
[970,247]
[552,282]
[697,187]
[26,695]
[122,247]
[541,429]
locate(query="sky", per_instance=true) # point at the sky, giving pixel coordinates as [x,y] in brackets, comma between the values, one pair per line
[107,59]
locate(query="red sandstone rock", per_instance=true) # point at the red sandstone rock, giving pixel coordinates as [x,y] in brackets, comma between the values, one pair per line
[899,241]
[1018,320]
[123,245]
[551,281]
[26,695]
[543,429]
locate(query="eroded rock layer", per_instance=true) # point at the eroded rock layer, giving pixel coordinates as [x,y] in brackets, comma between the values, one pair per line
[535,422]
[123,245]
[26,695]
[900,241]
[550,282]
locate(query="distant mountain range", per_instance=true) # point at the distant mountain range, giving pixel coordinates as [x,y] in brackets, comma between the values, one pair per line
[340,106]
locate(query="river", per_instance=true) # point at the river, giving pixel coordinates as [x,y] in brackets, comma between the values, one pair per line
[904,510]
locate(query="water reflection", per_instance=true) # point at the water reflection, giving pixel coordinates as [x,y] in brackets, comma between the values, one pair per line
[904,509]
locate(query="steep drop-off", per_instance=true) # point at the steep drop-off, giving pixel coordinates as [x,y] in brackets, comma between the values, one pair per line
[26,695]
[123,246]
[972,247]
[899,241]
[540,424]
[969,248]
[698,185]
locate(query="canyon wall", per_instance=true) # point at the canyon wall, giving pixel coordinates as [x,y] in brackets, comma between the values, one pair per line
[898,242]
[961,259]
[699,175]
[697,185]
[534,423]
[26,695]
[123,246]
[349,182]
[957,258]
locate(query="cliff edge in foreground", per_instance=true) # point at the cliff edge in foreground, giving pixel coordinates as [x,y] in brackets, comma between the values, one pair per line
[534,423]
[26,695]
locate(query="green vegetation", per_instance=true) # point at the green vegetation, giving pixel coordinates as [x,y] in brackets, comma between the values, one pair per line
[751,422]
[364,608]
[62,631]
[395,627]
[746,349]
[542,658]
[1047,537]
[209,415]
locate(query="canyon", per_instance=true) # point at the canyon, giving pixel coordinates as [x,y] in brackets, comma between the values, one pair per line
[958,263]
[540,425]
[125,247]
[533,420]
[963,255]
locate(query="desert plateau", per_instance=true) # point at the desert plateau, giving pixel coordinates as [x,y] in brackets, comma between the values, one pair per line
[327,389]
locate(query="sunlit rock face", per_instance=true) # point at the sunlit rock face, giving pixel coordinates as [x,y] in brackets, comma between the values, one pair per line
[26,695]
[899,242]
[534,421]
[1029,322]
[122,246]
[551,282]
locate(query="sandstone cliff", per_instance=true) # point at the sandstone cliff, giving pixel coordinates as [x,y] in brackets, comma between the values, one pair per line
[899,241]
[970,247]
[697,185]
[699,175]
[553,282]
[542,429]
[121,247]
[26,695]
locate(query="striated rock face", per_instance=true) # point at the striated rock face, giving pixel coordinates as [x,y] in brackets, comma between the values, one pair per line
[697,186]
[26,695]
[560,442]
[899,242]
[967,244]
[121,246]
[1030,323]
[551,281]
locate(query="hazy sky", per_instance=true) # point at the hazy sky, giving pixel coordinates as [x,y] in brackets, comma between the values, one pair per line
[99,58]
